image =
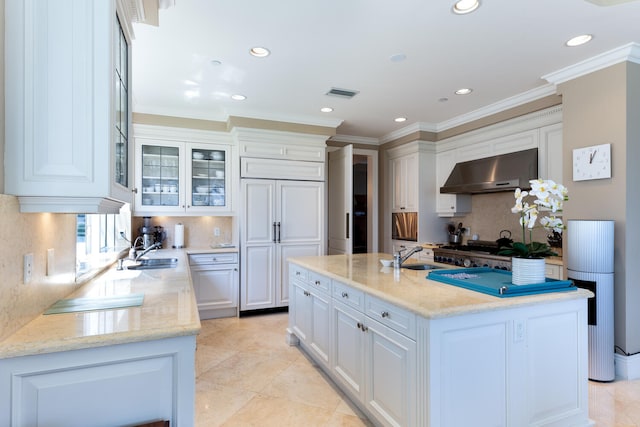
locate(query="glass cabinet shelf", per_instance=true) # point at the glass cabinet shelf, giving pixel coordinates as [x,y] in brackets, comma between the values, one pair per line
[208,169]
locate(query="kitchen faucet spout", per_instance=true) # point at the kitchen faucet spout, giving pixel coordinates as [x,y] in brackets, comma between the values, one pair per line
[399,259]
[156,245]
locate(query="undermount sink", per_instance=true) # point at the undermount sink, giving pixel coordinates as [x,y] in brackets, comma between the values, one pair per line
[154,263]
[419,267]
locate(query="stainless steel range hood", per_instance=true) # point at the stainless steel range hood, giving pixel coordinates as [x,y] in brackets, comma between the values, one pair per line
[505,172]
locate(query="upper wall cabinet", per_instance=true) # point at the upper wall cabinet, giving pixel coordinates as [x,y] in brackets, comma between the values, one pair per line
[183,171]
[67,144]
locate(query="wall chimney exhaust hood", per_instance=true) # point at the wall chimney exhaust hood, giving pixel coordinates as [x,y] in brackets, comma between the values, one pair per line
[505,172]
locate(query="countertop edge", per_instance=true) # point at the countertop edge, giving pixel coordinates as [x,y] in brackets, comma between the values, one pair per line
[493,303]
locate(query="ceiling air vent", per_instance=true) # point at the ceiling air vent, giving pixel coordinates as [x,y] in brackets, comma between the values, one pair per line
[342,93]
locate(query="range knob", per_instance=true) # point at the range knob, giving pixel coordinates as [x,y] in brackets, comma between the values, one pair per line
[466,262]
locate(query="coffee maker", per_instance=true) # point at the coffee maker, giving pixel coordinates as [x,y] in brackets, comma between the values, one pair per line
[150,234]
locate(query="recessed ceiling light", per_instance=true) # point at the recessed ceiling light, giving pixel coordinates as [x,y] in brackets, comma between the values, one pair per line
[579,40]
[260,52]
[238,97]
[463,91]
[445,99]
[400,119]
[465,6]
[326,109]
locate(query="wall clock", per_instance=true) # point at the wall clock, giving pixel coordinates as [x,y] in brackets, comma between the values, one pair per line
[592,162]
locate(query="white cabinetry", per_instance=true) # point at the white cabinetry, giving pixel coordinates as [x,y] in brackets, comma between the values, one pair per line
[412,183]
[449,205]
[553,271]
[310,313]
[126,384]
[183,178]
[404,192]
[67,116]
[215,283]
[280,219]
[373,355]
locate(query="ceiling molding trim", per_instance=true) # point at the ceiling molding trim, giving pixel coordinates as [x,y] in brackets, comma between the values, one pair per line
[629,52]
[270,136]
[173,133]
[355,139]
[211,115]
[503,105]
[408,130]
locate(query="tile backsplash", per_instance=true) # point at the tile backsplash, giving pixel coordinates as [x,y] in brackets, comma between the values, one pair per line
[24,233]
[199,231]
[491,213]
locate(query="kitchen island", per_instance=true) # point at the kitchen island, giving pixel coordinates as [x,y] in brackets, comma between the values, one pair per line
[415,352]
[107,367]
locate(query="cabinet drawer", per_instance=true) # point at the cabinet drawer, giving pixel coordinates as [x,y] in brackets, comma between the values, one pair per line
[394,317]
[318,281]
[298,273]
[213,258]
[348,295]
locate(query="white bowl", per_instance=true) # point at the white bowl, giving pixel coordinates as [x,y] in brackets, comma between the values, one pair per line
[202,189]
[217,155]
[386,262]
[198,155]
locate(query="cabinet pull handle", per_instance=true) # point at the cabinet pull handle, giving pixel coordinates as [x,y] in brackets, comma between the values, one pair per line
[306,293]
[345,295]
[347,222]
[359,325]
[134,190]
[297,273]
[274,232]
[278,231]
[384,314]
[317,282]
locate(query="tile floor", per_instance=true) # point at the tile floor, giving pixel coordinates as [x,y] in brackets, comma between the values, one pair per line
[248,376]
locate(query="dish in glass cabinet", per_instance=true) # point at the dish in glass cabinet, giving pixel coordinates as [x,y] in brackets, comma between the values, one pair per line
[199,203]
[198,155]
[217,155]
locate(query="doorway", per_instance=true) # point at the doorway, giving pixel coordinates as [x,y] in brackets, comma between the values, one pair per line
[352,213]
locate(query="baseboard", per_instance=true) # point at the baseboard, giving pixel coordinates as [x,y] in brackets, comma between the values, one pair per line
[627,367]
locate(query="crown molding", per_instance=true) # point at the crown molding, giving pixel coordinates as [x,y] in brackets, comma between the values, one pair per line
[286,118]
[408,130]
[629,52]
[355,139]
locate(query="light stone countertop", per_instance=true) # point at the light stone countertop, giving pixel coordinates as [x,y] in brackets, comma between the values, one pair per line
[410,289]
[169,310]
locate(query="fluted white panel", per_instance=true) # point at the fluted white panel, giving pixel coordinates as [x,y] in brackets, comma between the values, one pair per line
[601,342]
[590,245]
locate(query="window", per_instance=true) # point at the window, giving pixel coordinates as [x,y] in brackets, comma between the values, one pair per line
[100,238]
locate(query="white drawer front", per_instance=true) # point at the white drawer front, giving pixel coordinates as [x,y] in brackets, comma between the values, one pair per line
[215,258]
[318,281]
[298,273]
[394,317]
[348,295]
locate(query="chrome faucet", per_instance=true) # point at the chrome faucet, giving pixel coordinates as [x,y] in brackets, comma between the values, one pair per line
[156,245]
[399,259]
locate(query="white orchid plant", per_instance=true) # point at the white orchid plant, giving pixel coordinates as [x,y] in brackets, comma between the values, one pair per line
[549,197]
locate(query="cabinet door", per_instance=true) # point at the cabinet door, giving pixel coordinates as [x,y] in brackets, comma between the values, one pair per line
[208,172]
[449,204]
[300,312]
[321,327]
[159,177]
[391,372]
[215,287]
[348,348]
[258,252]
[300,210]
[404,171]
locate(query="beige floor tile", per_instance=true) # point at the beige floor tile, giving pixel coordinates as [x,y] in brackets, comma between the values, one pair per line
[215,405]
[266,411]
[345,420]
[303,383]
[208,356]
[246,371]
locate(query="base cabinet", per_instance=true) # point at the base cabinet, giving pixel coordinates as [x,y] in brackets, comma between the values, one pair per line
[215,283]
[128,384]
[511,367]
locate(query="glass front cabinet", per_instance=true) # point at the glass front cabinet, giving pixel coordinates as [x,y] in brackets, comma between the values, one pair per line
[182,178]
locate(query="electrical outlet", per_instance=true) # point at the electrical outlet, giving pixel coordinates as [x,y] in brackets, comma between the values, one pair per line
[28,268]
[216,231]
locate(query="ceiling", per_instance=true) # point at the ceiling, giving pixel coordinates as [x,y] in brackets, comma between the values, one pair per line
[198,56]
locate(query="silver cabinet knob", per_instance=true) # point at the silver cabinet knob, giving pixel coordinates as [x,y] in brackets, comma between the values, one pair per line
[384,314]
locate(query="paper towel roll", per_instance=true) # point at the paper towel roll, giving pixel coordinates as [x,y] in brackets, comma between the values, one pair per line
[178,239]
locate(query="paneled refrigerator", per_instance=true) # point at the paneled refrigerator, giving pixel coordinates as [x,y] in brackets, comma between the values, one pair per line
[280,219]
